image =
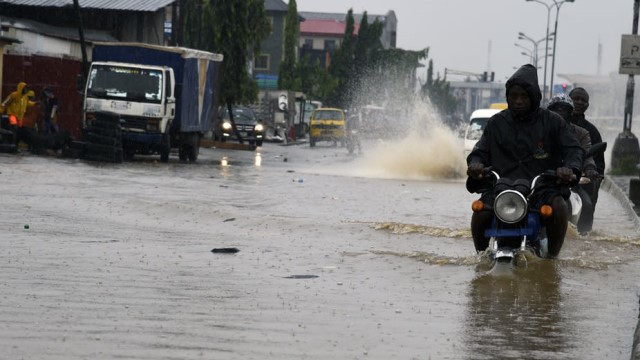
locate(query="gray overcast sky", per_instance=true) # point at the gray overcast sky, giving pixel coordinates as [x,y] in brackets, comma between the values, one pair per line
[458,32]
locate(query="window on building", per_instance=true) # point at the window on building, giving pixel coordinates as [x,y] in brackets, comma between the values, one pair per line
[270,19]
[262,62]
[330,45]
[308,44]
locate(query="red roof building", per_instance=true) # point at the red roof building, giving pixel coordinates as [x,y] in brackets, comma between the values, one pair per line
[322,33]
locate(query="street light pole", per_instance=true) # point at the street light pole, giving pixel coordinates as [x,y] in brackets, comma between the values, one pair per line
[528,53]
[546,46]
[535,44]
[555,38]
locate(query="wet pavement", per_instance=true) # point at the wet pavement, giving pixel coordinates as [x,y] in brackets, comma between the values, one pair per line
[340,257]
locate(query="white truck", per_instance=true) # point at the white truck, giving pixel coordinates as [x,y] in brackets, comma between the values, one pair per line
[164,97]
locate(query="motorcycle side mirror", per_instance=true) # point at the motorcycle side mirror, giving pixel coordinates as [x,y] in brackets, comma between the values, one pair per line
[596,149]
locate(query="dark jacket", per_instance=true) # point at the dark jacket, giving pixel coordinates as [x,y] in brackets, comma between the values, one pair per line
[525,147]
[596,138]
[585,141]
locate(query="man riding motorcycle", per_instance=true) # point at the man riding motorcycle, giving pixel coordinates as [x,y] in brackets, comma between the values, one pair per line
[521,142]
[562,105]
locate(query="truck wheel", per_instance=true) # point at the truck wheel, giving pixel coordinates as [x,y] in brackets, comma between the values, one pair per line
[193,148]
[312,142]
[166,149]
[164,155]
[193,153]
[182,153]
[129,153]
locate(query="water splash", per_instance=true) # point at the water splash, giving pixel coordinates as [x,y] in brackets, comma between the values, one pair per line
[431,258]
[429,150]
[400,229]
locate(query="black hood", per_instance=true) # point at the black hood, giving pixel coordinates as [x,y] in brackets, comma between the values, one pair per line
[527,77]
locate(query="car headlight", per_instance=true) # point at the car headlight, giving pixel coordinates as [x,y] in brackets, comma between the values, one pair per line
[259,128]
[510,206]
[226,125]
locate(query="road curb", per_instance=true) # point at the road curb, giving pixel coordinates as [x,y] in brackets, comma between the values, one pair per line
[612,188]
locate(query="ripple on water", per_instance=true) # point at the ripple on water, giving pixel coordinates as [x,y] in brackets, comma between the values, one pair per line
[596,251]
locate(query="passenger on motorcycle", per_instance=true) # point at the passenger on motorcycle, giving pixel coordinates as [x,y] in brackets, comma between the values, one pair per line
[563,105]
[580,98]
[521,142]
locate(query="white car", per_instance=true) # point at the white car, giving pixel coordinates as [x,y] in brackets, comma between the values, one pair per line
[477,123]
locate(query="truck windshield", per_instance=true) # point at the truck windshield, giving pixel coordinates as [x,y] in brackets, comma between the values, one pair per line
[125,83]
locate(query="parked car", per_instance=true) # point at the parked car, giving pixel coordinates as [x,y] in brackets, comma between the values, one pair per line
[248,124]
[477,123]
[327,124]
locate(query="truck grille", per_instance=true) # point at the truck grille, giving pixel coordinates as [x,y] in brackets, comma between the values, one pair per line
[133,122]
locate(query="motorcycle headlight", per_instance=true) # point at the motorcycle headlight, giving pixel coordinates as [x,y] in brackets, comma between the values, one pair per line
[259,128]
[510,206]
[226,125]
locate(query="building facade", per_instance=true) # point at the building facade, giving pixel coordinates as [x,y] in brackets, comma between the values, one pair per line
[322,33]
[266,64]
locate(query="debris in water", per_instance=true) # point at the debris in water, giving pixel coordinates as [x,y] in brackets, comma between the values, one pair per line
[231,250]
[301,277]
[26,226]
[229,219]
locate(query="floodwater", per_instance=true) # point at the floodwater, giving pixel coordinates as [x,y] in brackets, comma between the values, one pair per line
[340,257]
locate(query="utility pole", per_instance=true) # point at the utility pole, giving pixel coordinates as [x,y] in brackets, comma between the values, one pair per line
[83,46]
[626,152]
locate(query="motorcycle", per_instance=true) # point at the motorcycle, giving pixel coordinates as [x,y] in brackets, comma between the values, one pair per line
[352,141]
[517,226]
[576,199]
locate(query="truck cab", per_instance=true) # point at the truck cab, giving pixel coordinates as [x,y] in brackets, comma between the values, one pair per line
[143,96]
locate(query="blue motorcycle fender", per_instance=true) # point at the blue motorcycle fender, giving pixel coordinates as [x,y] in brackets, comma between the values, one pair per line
[531,228]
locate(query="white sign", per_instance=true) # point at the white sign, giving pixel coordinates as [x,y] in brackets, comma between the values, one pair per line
[630,55]
[282,102]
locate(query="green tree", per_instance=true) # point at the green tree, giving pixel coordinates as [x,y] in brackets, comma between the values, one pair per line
[438,92]
[289,78]
[234,29]
[342,65]
[316,82]
[367,46]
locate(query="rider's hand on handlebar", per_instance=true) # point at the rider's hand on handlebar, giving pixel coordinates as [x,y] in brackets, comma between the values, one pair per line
[565,175]
[475,170]
[592,174]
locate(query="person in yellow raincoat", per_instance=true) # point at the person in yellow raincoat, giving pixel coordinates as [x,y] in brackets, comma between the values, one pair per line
[16,105]
[28,117]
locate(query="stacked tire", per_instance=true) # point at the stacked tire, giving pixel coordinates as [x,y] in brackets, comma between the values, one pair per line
[103,138]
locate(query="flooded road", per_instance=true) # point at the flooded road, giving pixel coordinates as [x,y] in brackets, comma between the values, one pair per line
[340,257]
